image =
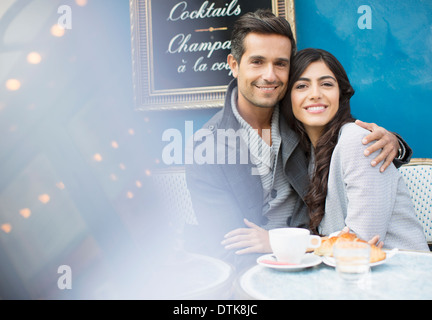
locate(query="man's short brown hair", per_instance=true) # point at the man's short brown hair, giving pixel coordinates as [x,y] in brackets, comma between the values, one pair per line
[262,21]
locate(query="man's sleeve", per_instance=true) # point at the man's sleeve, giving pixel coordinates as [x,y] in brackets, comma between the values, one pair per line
[405,152]
[215,209]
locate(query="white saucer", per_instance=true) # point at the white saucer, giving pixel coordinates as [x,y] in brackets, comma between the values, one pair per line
[309,260]
[330,261]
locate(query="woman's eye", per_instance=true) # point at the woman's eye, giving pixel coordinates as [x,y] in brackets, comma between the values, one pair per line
[300,86]
[328,84]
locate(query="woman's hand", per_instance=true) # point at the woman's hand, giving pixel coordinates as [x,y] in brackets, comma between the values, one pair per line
[373,241]
[252,239]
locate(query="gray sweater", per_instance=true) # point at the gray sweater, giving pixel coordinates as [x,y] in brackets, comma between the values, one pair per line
[367,201]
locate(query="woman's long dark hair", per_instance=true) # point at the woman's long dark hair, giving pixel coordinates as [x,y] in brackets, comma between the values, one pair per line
[317,192]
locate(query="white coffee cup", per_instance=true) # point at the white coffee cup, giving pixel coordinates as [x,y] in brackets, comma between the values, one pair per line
[289,244]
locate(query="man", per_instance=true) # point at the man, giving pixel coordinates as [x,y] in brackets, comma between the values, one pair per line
[237,201]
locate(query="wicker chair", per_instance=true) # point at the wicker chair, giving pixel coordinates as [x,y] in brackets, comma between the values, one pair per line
[172,188]
[418,177]
[171,185]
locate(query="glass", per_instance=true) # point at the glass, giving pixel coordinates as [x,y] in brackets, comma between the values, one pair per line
[352,260]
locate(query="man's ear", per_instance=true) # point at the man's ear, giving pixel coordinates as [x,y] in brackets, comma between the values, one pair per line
[232,62]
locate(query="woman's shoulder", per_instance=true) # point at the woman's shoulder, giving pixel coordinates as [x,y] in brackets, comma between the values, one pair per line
[350,146]
[351,134]
[353,129]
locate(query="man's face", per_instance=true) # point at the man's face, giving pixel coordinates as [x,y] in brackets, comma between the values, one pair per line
[262,74]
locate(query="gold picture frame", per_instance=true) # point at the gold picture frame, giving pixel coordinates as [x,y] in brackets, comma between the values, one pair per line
[163,46]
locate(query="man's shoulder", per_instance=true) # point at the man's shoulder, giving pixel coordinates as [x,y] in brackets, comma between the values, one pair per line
[208,129]
[214,121]
[224,118]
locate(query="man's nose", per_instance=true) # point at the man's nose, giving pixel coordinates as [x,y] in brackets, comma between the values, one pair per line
[269,73]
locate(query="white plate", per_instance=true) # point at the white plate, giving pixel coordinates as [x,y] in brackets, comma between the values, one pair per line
[330,261]
[309,260]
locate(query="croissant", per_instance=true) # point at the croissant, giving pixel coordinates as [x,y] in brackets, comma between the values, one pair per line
[326,247]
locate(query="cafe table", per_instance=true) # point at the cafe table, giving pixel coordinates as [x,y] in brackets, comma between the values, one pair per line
[187,276]
[406,275]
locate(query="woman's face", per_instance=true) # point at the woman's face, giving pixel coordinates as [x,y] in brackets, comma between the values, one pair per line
[315,98]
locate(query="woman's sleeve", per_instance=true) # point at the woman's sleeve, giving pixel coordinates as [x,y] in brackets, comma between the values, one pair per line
[371,193]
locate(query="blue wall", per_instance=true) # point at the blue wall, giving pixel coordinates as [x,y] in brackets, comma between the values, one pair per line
[389,65]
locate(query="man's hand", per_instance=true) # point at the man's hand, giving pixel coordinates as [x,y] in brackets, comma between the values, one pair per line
[385,140]
[252,239]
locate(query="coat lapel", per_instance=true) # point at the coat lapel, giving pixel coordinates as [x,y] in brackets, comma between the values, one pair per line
[246,187]
[294,159]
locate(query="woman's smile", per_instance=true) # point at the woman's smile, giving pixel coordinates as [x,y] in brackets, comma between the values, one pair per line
[316,108]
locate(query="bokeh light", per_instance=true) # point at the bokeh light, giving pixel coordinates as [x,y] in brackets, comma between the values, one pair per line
[26,212]
[13,84]
[44,198]
[6,227]
[97,157]
[57,31]
[81,3]
[34,58]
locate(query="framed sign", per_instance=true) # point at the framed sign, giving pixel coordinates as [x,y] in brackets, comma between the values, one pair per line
[180,48]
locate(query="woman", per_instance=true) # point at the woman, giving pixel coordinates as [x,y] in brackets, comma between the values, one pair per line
[345,191]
